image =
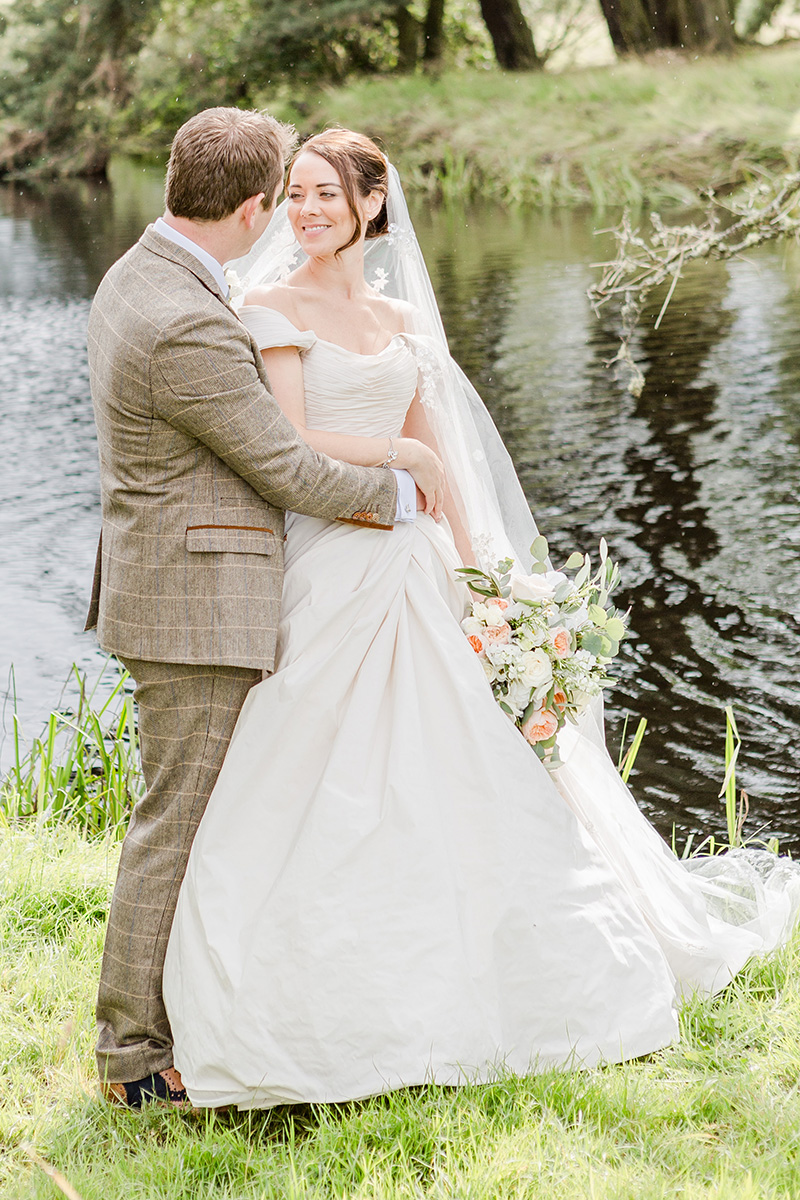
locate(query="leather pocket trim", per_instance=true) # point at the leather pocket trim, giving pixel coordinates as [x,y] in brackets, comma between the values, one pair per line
[247,528]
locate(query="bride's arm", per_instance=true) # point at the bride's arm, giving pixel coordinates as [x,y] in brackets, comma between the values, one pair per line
[417,427]
[285,369]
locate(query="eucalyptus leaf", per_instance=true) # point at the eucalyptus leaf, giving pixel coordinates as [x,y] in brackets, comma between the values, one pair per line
[597,614]
[583,575]
[539,548]
[538,568]
[574,561]
[593,642]
[505,565]
[562,592]
[607,644]
[615,628]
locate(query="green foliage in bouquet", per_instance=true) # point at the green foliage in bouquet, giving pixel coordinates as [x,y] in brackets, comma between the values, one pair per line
[545,639]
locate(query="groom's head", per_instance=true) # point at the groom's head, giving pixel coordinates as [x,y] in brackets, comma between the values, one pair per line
[222,157]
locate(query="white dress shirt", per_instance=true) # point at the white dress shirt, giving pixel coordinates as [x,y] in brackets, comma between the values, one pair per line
[406,509]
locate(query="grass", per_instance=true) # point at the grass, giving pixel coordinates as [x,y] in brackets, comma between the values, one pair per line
[637,132]
[715,1116]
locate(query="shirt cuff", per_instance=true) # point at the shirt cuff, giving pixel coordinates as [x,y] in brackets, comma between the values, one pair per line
[406,497]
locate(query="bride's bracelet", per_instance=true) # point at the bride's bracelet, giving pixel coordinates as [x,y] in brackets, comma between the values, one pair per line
[392,454]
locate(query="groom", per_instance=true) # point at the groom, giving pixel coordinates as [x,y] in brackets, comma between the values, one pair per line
[197,465]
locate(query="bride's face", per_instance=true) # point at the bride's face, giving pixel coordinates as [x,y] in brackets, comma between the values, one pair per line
[318,209]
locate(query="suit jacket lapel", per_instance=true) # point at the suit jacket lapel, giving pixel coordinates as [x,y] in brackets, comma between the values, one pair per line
[151,240]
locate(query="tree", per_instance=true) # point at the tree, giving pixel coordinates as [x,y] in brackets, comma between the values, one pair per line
[73,60]
[408,30]
[637,26]
[510,34]
[433,32]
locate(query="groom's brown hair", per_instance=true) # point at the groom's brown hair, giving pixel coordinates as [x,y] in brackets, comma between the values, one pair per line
[223,156]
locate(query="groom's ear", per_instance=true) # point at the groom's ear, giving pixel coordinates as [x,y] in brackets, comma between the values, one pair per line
[251,209]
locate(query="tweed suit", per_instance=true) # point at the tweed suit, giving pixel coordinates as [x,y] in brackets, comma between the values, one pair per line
[197,464]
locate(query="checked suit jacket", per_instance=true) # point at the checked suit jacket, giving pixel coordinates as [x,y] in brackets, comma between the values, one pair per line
[197,465]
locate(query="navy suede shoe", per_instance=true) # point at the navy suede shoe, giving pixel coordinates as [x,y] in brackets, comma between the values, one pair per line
[165,1087]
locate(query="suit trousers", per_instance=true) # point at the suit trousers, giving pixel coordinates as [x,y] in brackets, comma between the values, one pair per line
[187,714]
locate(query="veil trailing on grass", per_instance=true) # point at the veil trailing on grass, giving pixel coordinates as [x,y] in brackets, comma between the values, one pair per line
[480,472]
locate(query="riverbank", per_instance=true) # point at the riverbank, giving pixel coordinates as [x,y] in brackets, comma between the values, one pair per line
[659,131]
[714,1117]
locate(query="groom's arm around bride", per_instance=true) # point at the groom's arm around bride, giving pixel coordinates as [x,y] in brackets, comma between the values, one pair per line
[197,464]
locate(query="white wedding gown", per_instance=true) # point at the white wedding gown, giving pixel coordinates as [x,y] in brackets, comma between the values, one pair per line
[388,888]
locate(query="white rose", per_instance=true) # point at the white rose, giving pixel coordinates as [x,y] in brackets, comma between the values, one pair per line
[537,671]
[577,619]
[537,587]
[472,625]
[480,610]
[518,697]
[529,638]
[495,615]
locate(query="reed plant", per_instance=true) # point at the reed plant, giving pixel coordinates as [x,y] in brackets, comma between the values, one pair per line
[84,768]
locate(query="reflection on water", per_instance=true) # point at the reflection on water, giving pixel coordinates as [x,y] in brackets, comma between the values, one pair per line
[695,484]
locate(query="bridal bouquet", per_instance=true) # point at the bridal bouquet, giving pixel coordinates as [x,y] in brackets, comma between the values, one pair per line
[545,639]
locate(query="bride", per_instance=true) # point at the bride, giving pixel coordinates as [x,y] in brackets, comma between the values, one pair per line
[388,887]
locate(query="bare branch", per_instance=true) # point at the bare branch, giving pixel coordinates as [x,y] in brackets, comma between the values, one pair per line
[766,212]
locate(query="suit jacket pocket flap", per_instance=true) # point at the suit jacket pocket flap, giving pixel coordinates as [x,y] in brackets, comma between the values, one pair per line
[230,539]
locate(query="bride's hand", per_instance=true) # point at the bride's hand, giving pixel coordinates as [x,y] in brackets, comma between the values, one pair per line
[427,471]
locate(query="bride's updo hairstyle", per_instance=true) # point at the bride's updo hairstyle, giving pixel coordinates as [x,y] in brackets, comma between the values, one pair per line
[362,168]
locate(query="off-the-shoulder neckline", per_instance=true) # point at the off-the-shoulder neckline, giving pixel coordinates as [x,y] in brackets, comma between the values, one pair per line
[325,342]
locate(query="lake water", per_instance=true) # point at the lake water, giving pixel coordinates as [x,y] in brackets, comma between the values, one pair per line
[695,485]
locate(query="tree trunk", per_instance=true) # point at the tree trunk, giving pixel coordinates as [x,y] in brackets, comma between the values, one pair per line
[433,32]
[637,26]
[629,26]
[511,35]
[407,38]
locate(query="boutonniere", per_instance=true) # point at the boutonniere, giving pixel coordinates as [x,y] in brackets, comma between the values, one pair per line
[235,286]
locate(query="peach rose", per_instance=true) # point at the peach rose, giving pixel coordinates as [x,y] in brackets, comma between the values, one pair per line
[561,641]
[498,602]
[540,726]
[559,699]
[497,635]
[476,643]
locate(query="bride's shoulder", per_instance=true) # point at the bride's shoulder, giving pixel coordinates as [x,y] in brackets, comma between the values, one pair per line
[278,297]
[396,314]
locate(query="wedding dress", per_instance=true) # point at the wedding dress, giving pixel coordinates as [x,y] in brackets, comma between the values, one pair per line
[388,887]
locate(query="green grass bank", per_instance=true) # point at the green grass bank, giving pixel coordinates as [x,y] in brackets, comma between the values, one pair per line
[638,132]
[716,1116]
